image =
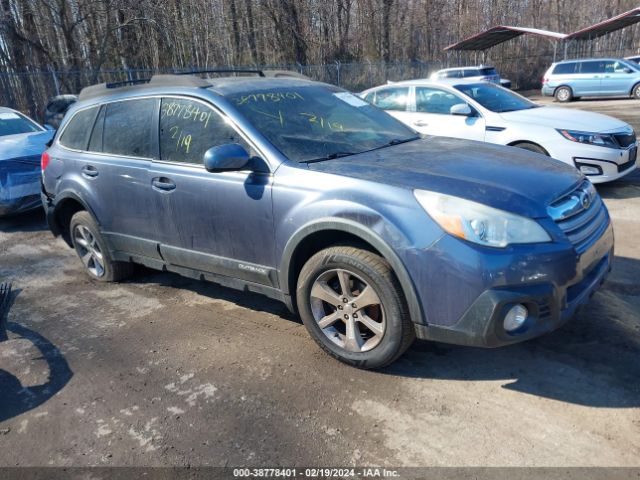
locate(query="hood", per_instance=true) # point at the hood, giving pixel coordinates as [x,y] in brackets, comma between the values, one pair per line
[508,178]
[566,118]
[24,145]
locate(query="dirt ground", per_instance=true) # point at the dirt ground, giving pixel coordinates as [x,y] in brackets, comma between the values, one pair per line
[162,370]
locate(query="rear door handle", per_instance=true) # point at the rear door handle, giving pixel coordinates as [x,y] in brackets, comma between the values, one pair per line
[421,123]
[163,183]
[89,171]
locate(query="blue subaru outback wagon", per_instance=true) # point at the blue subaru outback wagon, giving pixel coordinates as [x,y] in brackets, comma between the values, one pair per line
[303,192]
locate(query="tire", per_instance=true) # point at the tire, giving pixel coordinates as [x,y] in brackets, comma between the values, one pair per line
[532,147]
[370,337]
[636,92]
[563,94]
[92,251]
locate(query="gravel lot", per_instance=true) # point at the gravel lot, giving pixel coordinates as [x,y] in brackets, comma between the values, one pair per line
[162,370]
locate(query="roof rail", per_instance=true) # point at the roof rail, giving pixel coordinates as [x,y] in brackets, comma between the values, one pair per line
[125,83]
[260,73]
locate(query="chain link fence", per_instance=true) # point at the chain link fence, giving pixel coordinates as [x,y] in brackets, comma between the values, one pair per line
[30,91]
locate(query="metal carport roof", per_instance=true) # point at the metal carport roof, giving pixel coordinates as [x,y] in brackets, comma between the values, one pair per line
[605,27]
[501,33]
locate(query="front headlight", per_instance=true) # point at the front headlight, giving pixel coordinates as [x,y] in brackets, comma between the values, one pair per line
[479,223]
[599,139]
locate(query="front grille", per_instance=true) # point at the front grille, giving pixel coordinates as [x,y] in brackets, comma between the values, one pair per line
[544,309]
[624,139]
[582,226]
[633,153]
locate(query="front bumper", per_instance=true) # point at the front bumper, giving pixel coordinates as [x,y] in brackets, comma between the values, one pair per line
[550,302]
[19,187]
[611,163]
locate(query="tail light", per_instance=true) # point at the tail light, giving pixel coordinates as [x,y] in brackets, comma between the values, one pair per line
[544,80]
[44,161]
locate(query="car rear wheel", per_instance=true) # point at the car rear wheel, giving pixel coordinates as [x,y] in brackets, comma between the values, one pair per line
[353,307]
[563,94]
[91,248]
[532,147]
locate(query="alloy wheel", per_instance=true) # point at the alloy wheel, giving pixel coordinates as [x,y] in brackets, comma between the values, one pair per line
[348,310]
[89,250]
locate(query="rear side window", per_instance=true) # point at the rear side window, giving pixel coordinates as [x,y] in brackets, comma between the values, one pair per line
[128,128]
[565,68]
[76,133]
[189,128]
[488,71]
[470,72]
[392,98]
[592,67]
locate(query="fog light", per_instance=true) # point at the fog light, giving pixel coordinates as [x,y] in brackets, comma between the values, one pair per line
[588,170]
[515,318]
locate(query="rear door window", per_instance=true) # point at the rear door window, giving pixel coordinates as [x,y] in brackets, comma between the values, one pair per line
[128,128]
[565,68]
[592,67]
[394,98]
[76,133]
[189,128]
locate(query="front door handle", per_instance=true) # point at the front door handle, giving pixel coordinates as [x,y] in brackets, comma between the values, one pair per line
[90,171]
[421,123]
[163,183]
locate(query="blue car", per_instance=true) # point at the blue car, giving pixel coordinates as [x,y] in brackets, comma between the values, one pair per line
[305,193]
[22,142]
[592,77]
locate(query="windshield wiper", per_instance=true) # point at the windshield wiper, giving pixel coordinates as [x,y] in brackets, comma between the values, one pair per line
[396,141]
[330,156]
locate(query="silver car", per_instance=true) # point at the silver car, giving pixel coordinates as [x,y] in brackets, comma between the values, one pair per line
[479,73]
[592,77]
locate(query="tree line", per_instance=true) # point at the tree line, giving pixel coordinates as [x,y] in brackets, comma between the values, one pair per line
[92,35]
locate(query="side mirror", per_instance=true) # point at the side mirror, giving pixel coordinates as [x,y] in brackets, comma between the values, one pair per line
[461,109]
[226,158]
[627,70]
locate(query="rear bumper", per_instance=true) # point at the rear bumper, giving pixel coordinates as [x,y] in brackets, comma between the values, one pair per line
[548,91]
[550,304]
[50,214]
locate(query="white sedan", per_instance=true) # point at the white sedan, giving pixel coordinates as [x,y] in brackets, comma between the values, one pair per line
[602,147]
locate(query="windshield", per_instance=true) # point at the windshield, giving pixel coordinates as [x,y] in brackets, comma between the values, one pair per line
[314,123]
[632,65]
[495,98]
[12,123]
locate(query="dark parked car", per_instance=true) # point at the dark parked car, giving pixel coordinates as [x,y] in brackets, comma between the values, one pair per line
[303,192]
[56,109]
[22,142]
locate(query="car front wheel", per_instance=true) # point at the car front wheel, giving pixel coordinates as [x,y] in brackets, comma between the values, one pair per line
[353,307]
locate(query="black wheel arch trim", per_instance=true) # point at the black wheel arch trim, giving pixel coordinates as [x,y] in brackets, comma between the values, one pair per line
[515,144]
[60,199]
[351,227]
